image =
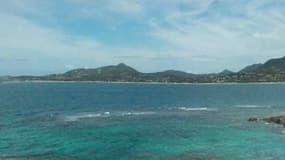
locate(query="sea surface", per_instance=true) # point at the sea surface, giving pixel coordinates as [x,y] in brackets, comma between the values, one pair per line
[102,121]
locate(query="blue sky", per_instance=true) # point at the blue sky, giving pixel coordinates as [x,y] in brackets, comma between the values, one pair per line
[198,36]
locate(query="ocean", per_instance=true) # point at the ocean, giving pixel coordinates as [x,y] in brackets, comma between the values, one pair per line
[112,121]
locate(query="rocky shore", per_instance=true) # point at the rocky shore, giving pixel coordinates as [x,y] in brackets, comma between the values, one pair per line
[280,120]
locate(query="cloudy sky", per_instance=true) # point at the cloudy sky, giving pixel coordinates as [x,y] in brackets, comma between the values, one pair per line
[199,36]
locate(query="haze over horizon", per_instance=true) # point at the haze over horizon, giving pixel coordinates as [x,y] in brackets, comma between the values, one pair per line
[196,36]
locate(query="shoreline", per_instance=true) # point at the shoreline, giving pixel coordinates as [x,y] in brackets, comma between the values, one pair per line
[151,83]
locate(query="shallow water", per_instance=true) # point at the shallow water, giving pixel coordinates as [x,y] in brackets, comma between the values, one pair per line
[139,121]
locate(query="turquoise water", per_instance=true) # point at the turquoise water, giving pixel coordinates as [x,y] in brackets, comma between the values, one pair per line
[82,121]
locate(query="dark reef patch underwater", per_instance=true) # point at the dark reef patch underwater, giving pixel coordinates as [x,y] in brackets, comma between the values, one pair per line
[82,121]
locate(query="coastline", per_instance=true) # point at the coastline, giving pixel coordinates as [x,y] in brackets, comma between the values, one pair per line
[151,83]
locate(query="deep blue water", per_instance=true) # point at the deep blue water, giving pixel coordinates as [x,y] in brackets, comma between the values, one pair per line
[83,121]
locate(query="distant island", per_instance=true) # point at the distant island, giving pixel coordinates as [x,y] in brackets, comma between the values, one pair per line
[271,71]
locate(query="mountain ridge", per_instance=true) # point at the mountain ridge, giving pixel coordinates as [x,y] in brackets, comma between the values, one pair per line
[272,70]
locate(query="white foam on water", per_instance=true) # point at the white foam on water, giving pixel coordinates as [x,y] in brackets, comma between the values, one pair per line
[137,113]
[107,113]
[80,116]
[252,106]
[73,118]
[196,109]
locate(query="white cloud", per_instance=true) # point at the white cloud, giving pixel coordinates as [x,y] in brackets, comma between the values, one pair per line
[91,8]
[271,35]
[16,32]
[196,35]
[256,34]
[32,41]
[47,47]
[126,6]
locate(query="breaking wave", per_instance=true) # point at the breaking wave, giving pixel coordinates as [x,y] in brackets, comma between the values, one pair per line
[72,118]
[252,106]
[196,109]
[79,116]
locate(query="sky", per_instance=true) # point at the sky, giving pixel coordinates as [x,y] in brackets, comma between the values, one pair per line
[198,36]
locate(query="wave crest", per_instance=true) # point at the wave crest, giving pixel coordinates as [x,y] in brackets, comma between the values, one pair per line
[196,109]
[72,118]
[80,116]
[252,106]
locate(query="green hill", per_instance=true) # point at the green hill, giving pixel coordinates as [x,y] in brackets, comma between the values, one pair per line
[271,71]
[272,66]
